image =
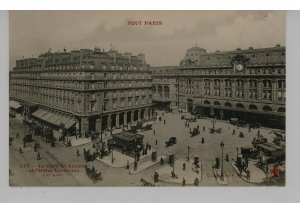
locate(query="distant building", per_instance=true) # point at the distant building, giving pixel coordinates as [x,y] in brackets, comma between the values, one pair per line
[85,90]
[247,84]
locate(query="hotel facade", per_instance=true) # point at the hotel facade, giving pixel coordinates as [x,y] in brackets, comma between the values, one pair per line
[84,90]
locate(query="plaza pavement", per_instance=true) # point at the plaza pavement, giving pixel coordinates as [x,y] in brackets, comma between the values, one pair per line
[256,174]
[112,176]
[189,174]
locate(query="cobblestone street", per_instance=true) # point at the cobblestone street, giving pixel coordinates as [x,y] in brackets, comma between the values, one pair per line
[174,126]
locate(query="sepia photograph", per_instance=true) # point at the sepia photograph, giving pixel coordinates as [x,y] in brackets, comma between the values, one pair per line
[147,98]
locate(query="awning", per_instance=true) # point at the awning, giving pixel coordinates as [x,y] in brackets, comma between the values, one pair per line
[70,123]
[47,116]
[54,118]
[14,104]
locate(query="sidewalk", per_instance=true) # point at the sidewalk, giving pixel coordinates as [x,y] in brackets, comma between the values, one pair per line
[217,173]
[256,174]
[121,160]
[189,174]
[79,141]
[147,164]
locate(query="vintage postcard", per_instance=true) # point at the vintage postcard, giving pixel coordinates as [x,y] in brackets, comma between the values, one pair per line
[147,98]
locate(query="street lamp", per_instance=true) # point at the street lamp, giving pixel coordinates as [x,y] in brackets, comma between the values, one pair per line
[188,156]
[112,155]
[237,153]
[135,155]
[222,146]
[213,123]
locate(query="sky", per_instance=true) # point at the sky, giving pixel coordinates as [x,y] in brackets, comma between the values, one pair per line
[35,32]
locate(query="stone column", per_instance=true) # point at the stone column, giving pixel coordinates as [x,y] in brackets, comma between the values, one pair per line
[132,116]
[139,114]
[259,89]
[150,113]
[84,126]
[222,88]
[274,90]
[246,88]
[118,120]
[125,118]
[98,125]
[211,88]
[146,113]
[221,113]
[233,88]
[109,122]
[163,91]
[212,111]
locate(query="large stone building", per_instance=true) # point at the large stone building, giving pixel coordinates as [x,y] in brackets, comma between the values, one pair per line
[165,87]
[83,89]
[247,84]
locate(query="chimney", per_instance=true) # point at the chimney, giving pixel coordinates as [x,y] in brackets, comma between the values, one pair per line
[128,56]
[142,58]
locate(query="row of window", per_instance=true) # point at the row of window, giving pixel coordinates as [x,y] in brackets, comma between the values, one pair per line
[80,85]
[257,71]
[84,66]
[239,83]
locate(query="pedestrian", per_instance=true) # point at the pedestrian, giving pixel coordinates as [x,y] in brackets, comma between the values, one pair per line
[78,152]
[196,182]
[20,150]
[258,133]
[233,131]
[203,128]
[183,166]
[153,132]
[188,125]
[156,142]
[227,157]
[183,182]
[248,174]
[202,141]
[17,136]
[164,122]
[38,156]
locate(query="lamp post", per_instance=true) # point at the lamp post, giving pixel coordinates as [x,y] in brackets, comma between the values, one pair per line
[237,153]
[135,155]
[112,155]
[213,122]
[222,146]
[188,156]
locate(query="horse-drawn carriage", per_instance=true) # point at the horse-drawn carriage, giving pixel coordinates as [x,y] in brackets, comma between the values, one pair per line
[194,132]
[88,156]
[93,175]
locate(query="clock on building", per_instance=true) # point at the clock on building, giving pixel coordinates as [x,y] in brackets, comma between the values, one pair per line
[239,67]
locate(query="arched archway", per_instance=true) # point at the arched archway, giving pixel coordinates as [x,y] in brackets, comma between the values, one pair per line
[267,108]
[153,89]
[166,91]
[228,104]
[206,102]
[253,107]
[281,109]
[239,105]
[216,103]
[160,92]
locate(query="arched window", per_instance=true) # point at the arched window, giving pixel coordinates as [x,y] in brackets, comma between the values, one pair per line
[216,103]
[228,104]
[281,109]
[239,105]
[206,102]
[267,108]
[253,107]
